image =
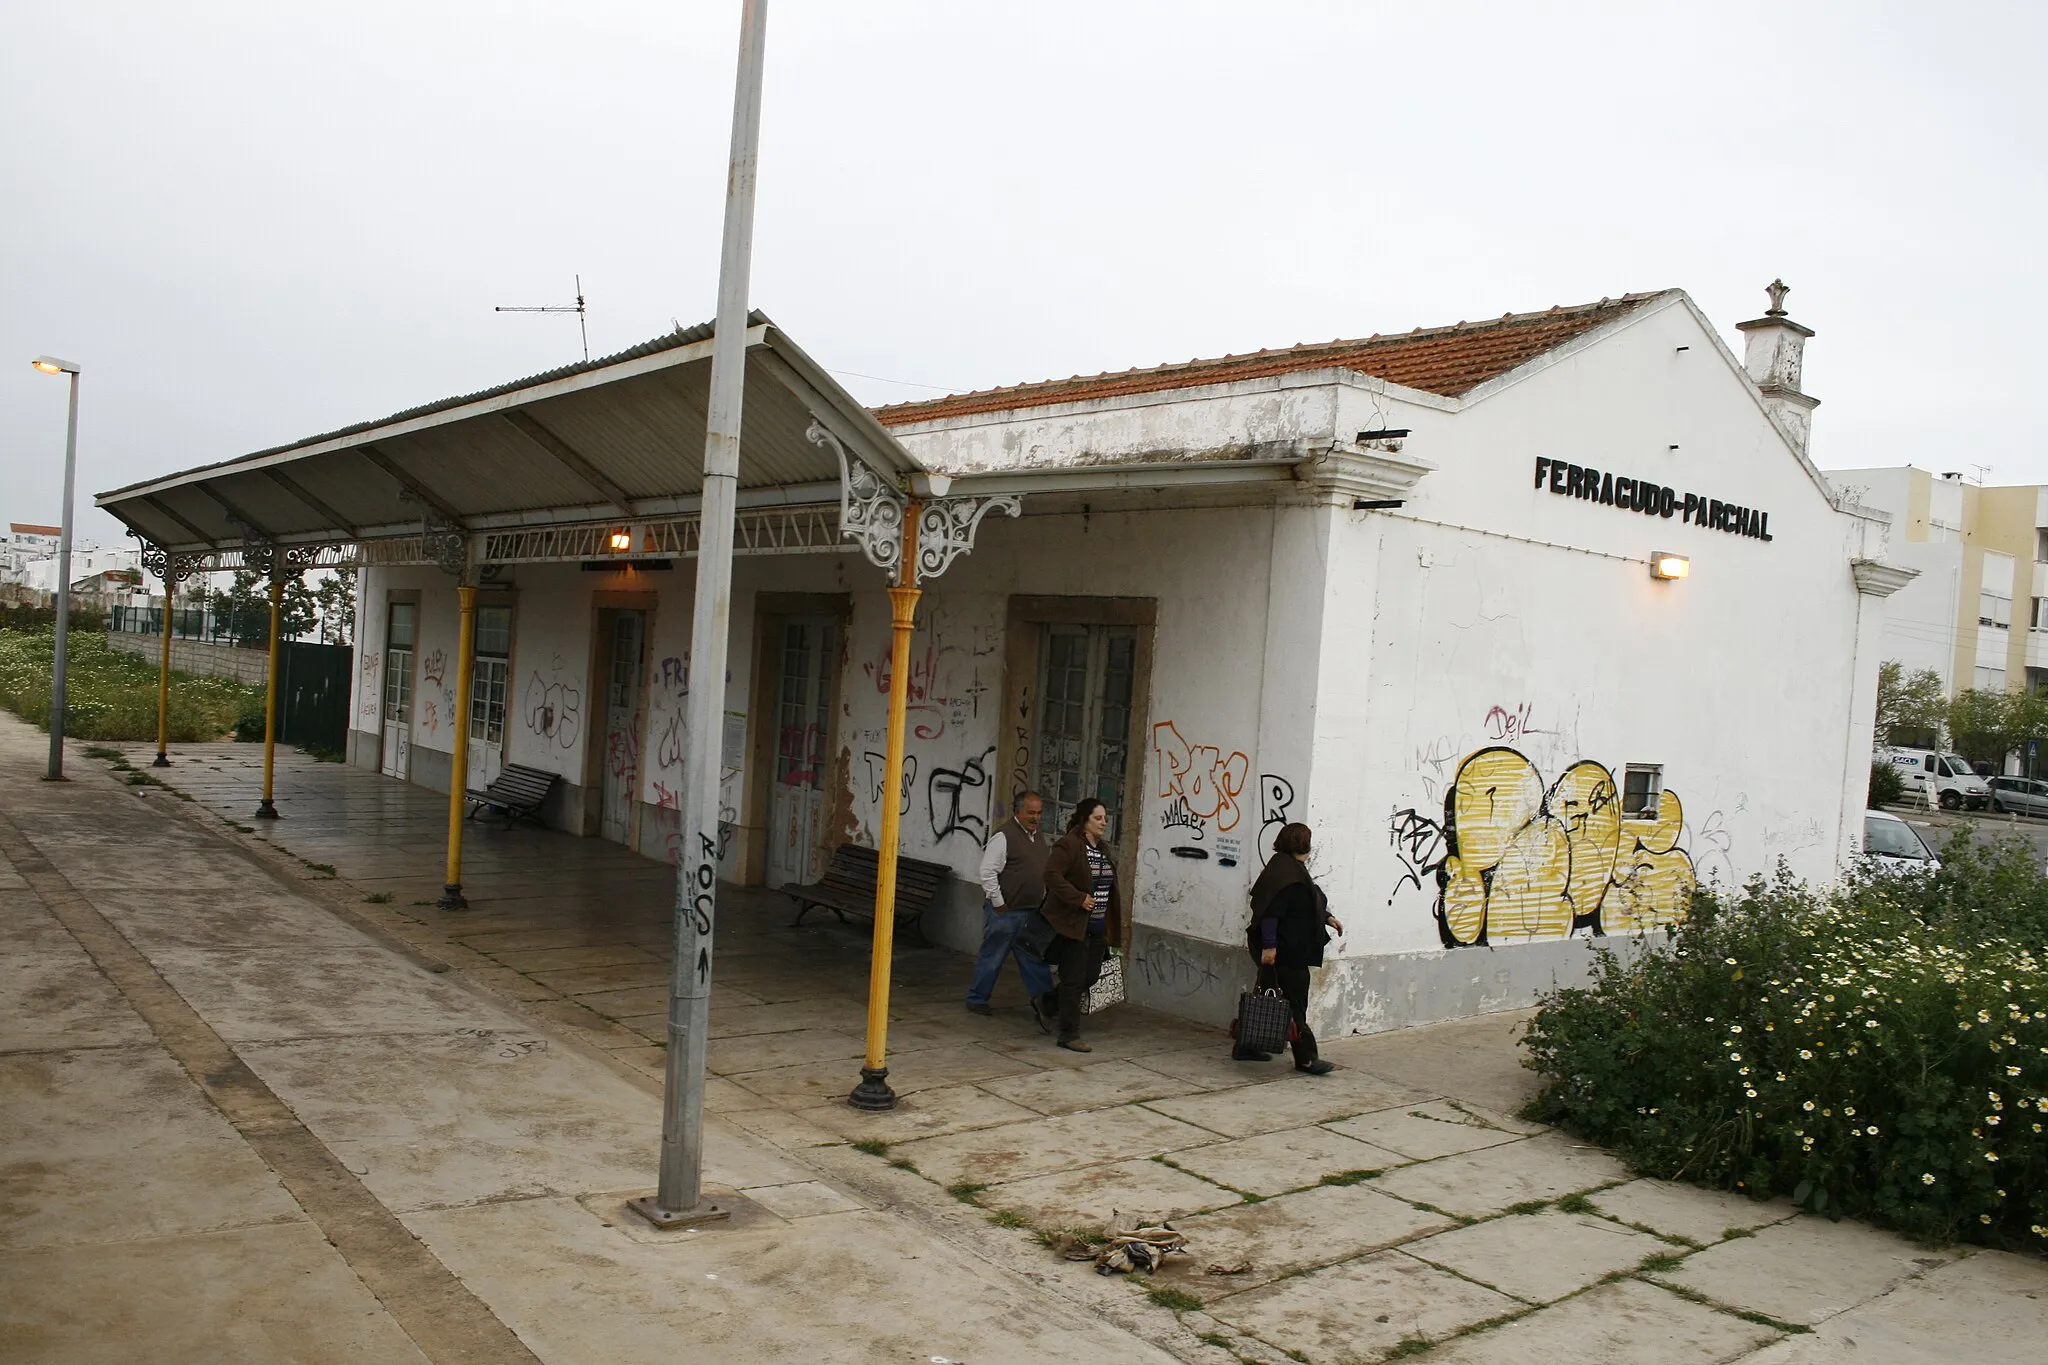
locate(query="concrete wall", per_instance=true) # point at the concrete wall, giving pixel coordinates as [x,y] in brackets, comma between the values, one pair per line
[250,667]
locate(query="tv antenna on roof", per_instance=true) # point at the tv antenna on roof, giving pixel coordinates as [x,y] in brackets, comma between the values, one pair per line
[577,308]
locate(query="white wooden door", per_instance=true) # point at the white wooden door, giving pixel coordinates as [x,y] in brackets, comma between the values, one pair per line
[802,715]
[397,687]
[490,671]
[625,663]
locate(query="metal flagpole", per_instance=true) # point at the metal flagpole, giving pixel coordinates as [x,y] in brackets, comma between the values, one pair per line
[678,1202]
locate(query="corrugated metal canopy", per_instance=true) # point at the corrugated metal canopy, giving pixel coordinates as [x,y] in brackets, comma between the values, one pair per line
[619,437]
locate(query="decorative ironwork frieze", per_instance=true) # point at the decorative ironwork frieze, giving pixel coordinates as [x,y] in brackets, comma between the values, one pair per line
[169,569]
[946,528]
[870,508]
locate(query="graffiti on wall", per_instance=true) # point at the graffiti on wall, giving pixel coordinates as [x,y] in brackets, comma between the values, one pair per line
[1276,808]
[434,667]
[554,711]
[1200,783]
[1514,860]
[967,797]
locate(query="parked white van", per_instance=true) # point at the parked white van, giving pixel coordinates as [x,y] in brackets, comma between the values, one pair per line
[1955,784]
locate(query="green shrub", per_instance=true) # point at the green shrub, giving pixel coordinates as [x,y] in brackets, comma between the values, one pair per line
[1877,1050]
[111,695]
[1886,786]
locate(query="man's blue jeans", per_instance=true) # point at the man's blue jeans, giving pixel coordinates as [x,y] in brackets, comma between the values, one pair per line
[999,930]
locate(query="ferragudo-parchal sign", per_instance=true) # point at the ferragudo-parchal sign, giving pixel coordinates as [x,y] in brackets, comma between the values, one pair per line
[1651,499]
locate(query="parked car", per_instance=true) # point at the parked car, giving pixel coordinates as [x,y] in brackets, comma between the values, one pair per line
[1955,784]
[1894,845]
[2020,795]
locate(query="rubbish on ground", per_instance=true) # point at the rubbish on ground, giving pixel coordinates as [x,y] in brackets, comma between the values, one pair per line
[1142,1249]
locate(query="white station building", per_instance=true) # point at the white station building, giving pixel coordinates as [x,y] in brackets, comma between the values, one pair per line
[1536,622]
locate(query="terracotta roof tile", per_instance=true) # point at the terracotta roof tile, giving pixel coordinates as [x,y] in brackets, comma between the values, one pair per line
[1442,360]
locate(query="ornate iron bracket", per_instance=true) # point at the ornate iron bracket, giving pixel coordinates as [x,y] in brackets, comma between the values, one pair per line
[446,543]
[870,509]
[297,559]
[946,529]
[169,569]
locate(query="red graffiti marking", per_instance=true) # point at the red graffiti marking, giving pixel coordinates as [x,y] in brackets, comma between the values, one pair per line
[667,799]
[622,753]
[1505,724]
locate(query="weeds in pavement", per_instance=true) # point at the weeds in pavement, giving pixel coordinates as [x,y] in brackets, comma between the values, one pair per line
[1351,1177]
[1576,1203]
[904,1163]
[378,898]
[1661,1263]
[1410,1346]
[966,1191]
[1009,1218]
[872,1146]
[1527,1206]
[1179,1300]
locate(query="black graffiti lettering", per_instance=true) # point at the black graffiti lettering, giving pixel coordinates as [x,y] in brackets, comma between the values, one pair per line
[1178,816]
[952,784]
[1276,799]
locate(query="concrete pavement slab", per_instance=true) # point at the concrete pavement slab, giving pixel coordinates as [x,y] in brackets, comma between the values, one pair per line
[1624,1323]
[1361,1310]
[923,1113]
[1989,1309]
[1251,1244]
[854,1289]
[1687,1211]
[254,917]
[1072,1089]
[802,1199]
[623,976]
[1291,1103]
[1538,1257]
[991,1156]
[1476,1184]
[535,960]
[1211,1068]
[26,926]
[1805,1270]
[1420,1132]
[111,1144]
[258,993]
[251,1296]
[430,1120]
[909,1073]
[1476,1059]
[1274,1163]
[765,1051]
[1139,1191]
[57,998]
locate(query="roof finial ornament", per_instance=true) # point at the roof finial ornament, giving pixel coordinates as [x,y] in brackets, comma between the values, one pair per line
[1777,289]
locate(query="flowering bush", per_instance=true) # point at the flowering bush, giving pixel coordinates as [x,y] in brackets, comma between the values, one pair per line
[1878,1050]
[111,695]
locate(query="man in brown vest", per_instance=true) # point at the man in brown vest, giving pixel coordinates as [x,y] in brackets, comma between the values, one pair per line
[1013,886]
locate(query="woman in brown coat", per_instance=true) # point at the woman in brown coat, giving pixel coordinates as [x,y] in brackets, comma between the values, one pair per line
[1085,905]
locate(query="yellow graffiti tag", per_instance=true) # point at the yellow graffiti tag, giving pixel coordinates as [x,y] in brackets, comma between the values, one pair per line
[1528,863]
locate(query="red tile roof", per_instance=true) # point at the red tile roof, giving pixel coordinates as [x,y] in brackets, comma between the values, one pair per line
[1442,360]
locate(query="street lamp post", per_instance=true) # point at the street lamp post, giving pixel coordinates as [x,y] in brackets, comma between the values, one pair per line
[52,365]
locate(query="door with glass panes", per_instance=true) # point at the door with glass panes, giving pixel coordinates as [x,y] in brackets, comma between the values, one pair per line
[400,631]
[489,670]
[625,663]
[803,711]
[1086,676]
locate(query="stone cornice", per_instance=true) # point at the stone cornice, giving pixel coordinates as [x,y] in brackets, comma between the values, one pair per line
[1344,474]
[1875,578]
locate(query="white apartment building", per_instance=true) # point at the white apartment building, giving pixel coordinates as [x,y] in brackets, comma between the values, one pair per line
[1978,612]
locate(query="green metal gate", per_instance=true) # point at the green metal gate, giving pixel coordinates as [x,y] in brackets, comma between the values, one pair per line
[312,695]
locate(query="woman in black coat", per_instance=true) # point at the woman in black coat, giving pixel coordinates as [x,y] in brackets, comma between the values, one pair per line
[1086,908]
[1291,921]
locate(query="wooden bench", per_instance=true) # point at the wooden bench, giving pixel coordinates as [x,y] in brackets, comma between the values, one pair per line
[516,793]
[848,886]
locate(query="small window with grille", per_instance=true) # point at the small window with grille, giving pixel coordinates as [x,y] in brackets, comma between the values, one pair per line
[1642,791]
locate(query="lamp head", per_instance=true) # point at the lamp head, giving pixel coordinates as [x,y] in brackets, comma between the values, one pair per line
[49,364]
[621,541]
[1664,565]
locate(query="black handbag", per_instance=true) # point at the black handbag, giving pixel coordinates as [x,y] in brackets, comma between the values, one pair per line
[1037,939]
[1264,1022]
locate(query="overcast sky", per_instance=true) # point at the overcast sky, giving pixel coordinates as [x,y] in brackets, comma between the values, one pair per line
[252,222]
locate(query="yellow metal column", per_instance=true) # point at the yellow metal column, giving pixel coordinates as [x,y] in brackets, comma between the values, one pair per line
[873,1092]
[163,675]
[267,810]
[458,778]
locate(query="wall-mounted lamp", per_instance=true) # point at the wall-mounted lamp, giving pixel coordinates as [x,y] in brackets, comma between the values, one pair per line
[1669,566]
[621,541]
